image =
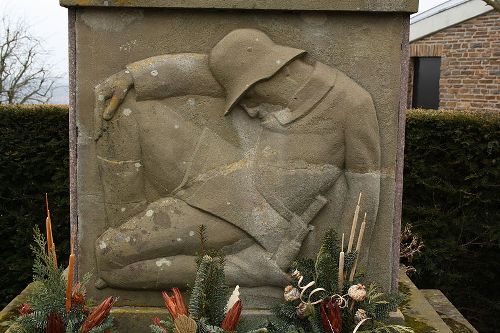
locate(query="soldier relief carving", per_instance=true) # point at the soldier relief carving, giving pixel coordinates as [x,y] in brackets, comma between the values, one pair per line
[254,140]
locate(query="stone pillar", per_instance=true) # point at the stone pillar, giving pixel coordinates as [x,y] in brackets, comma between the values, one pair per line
[262,120]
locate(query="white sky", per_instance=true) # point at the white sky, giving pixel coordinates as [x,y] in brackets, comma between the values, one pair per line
[48,21]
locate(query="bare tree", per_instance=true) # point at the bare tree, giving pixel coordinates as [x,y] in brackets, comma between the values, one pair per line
[493,3]
[25,76]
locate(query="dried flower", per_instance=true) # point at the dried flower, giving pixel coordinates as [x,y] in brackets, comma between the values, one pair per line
[54,324]
[360,315]
[232,317]
[357,292]
[331,316]
[79,294]
[98,315]
[291,293]
[175,303]
[184,324]
[25,309]
[158,324]
[304,310]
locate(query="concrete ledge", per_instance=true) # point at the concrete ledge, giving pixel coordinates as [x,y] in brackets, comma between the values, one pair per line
[10,312]
[448,312]
[419,314]
[408,6]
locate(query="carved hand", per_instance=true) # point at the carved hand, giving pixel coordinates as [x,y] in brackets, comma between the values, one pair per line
[114,89]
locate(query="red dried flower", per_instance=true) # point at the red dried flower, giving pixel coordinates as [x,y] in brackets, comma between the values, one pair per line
[175,303]
[54,324]
[78,296]
[232,318]
[98,315]
[157,322]
[25,309]
[331,316]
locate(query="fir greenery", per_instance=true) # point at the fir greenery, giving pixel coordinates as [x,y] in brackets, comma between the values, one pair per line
[327,263]
[209,295]
[299,315]
[50,296]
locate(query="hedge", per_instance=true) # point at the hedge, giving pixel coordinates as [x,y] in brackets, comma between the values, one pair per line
[450,196]
[33,161]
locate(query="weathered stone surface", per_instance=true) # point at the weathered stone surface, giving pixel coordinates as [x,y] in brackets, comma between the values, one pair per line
[11,310]
[418,313]
[329,5]
[447,311]
[165,158]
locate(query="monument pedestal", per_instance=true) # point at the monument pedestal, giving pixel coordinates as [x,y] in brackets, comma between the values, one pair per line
[262,120]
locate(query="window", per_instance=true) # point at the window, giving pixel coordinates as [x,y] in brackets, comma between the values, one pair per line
[426,82]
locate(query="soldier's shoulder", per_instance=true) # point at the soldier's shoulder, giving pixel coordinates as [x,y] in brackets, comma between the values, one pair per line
[348,89]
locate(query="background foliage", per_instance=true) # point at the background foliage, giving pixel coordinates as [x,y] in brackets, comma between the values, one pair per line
[451,197]
[33,160]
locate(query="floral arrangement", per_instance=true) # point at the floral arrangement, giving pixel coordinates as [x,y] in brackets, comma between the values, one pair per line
[327,296]
[209,309]
[56,305]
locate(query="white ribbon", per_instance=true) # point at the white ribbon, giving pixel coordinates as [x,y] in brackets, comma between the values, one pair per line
[359,324]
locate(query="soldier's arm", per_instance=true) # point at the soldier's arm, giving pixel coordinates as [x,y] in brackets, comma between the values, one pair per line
[362,163]
[159,77]
[120,167]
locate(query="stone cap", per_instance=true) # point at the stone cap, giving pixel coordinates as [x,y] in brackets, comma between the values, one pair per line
[407,6]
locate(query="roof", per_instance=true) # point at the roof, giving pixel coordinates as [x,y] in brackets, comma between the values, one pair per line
[445,15]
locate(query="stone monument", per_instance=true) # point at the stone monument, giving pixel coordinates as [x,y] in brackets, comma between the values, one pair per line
[262,120]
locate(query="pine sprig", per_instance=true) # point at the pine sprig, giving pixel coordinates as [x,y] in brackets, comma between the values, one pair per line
[49,296]
[196,304]
[327,263]
[205,327]
[349,260]
[315,322]
[216,292]
[306,267]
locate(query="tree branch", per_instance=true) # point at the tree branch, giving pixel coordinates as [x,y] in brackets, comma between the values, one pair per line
[24,76]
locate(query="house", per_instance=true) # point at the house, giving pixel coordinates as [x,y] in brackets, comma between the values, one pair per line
[455,57]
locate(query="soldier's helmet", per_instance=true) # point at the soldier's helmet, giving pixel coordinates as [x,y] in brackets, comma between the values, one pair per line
[244,57]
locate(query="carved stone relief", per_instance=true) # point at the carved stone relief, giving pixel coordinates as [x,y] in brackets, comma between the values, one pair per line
[249,140]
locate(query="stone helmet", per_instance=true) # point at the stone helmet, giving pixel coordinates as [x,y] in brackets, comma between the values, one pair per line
[244,57]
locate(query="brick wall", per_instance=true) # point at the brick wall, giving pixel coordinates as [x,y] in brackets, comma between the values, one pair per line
[470,63]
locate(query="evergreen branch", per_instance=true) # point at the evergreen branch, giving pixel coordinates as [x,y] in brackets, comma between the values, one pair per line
[216,292]
[196,303]
[205,327]
[327,263]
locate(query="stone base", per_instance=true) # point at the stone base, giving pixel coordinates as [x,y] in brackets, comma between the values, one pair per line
[138,319]
[426,311]
[447,311]
[429,311]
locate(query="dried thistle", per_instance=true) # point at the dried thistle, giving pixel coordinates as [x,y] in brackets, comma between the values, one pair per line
[410,245]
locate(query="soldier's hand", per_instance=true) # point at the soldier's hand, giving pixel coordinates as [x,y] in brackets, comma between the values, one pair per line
[114,89]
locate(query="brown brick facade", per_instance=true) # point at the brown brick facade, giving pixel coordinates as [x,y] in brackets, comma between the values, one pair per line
[470,63]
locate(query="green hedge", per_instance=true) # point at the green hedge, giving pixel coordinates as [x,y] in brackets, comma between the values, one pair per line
[452,198]
[33,161]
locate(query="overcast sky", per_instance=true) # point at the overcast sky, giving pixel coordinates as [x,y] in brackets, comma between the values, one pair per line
[48,21]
